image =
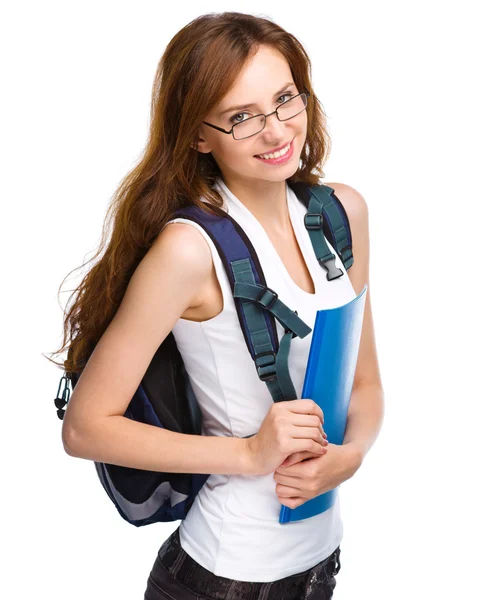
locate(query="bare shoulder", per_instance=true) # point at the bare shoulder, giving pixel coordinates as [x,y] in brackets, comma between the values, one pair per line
[356,208]
[354,203]
[184,239]
[183,245]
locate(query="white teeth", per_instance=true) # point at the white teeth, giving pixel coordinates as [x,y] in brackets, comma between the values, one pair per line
[276,154]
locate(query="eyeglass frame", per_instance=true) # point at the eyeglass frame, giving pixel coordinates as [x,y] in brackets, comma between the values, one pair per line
[307,94]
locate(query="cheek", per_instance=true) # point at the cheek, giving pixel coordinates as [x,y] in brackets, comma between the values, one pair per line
[236,152]
[224,152]
[302,137]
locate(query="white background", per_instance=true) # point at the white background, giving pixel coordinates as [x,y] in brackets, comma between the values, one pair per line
[399,82]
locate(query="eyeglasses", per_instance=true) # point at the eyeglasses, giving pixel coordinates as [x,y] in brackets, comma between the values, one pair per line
[253,125]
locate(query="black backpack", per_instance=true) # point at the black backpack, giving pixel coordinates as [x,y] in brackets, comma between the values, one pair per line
[165,397]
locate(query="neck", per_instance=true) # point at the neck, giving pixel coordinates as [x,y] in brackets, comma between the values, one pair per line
[266,200]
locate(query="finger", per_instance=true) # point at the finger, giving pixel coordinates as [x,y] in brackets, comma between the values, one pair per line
[287,491]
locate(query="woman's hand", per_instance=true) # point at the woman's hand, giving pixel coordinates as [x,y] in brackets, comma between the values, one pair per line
[303,475]
[289,427]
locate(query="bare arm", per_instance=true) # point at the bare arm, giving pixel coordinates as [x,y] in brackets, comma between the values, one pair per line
[168,280]
[121,441]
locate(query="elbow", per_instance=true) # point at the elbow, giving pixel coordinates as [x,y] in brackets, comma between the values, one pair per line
[70,442]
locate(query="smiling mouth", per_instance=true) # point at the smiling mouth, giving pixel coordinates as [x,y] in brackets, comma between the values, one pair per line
[280,150]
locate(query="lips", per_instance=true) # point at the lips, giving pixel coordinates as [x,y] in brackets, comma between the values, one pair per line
[275,150]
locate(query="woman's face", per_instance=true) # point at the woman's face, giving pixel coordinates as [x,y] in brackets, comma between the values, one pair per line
[262,84]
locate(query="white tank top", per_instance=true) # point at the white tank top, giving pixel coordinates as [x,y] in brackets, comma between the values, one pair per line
[232,528]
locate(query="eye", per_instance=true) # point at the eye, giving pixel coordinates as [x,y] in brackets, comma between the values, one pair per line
[286,94]
[232,119]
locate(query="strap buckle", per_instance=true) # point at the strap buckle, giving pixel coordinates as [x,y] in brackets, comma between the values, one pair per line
[268,371]
[313,220]
[333,272]
[344,252]
[263,291]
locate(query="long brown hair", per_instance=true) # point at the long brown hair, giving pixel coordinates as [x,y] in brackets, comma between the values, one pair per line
[189,82]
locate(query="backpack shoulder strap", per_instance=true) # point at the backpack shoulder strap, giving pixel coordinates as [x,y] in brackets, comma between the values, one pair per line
[326,216]
[257,305]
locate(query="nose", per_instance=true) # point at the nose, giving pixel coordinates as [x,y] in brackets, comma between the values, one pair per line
[274,129]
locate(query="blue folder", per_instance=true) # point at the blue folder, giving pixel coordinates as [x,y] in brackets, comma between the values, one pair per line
[331,365]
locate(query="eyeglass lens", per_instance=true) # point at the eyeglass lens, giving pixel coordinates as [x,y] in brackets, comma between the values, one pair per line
[285,111]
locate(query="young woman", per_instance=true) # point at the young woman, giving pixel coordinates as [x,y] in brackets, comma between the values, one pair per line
[231,89]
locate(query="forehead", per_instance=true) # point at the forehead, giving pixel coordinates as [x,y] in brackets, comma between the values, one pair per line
[262,76]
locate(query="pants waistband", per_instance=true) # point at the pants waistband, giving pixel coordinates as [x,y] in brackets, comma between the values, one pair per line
[202,581]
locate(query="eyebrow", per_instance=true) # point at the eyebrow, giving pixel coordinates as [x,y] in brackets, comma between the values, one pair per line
[241,106]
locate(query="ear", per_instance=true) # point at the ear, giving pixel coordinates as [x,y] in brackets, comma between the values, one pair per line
[201,144]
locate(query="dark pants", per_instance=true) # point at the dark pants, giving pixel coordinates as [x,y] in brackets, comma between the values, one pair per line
[176,576]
